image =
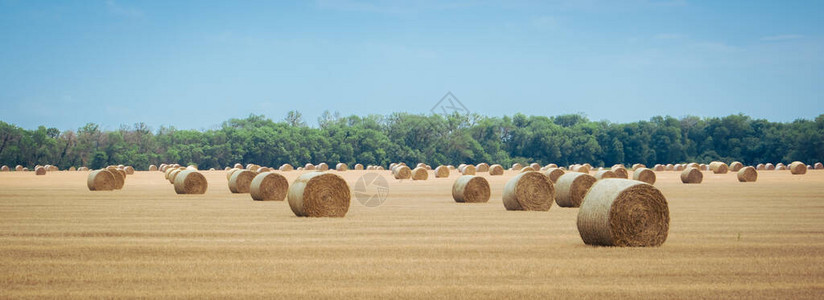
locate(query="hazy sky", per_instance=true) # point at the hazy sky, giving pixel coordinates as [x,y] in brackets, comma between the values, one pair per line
[194,64]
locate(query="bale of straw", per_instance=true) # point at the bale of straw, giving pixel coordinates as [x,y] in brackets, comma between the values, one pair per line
[703,167]
[238,166]
[129,170]
[658,168]
[471,189]
[25,169]
[529,191]
[669,167]
[72,169]
[322,167]
[420,173]
[579,168]
[358,167]
[535,166]
[18,168]
[40,171]
[241,181]
[549,166]
[378,167]
[798,168]
[451,167]
[571,188]
[420,165]
[83,169]
[269,186]
[747,174]
[517,167]
[100,180]
[300,169]
[638,166]
[5,168]
[392,166]
[402,172]
[780,168]
[718,167]
[341,167]
[735,166]
[605,174]
[319,194]
[309,167]
[286,168]
[152,168]
[468,170]
[251,167]
[553,174]
[496,170]
[211,169]
[441,172]
[761,167]
[119,179]
[624,213]
[263,170]
[162,168]
[818,166]
[678,167]
[190,182]
[230,172]
[769,167]
[527,169]
[692,175]
[174,173]
[461,167]
[482,167]
[644,174]
[620,172]
[227,169]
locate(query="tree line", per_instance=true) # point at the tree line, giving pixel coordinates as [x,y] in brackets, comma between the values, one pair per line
[412,138]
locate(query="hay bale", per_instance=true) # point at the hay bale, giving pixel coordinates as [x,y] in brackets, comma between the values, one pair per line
[152,168]
[451,167]
[468,170]
[761,167]
[529,191]
[669,167]
[286,168]
[190,182]
[620,171]
[358,167]
[527,169]
[129,170]
[553,174]
[624,213]
[401,172]
[323,167]
[341,167]
[550,166]
[535,166]
[471,189]
[718,167]
[579,168]
[735,166]
[678,168]
[645,175]
[379,168]
[18,168]
[119,178]
[309,167]
[174,173]
[780,168]
[25,169]
[571,188]
[692,175]
[251,167]
[263,170]
[40,171]
[638,166]
[496,170]
[658,168]
[605,174]
[211,169]
[703,167]
[83,169]
[482,167]
[318,194]
[230,172]
[769,167]
[241,181]
[100,180]
[461,167]
[420,173]
[798,168]
[517,167]
[747,174]
[441,172]
[269,186]
[420,165]
[818,166]
[72,169]
[300,168]
[5,168]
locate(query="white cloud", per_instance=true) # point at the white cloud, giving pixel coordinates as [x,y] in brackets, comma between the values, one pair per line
[782,37]
[121,10]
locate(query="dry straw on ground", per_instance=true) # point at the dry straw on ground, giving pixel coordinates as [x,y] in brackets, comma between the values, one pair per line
[624,213]
[420,173]
[401,172]
[692,175]
[190,182]
[571,188]
[319,194]
[605,174]
[496,170]
[644,174]
[241,181]
[269,186]
[747,174]
[441,172]
[40,171]
[468,170]
[718,167]
[529,191]
[553,174]
[341,167]
[482,167]
[798,168]
[100,180]
[471,189]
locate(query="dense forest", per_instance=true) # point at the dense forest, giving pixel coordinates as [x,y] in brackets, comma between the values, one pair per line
[433,139]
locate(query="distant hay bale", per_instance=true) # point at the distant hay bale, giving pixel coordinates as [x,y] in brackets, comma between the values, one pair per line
[798,168]
[761,167]
[152,168]
[18,168]
[692,175]
[119,179]
[718,167]
[286,168]
[322,167]
[496,170]
[241,181]
[420,173]
[82,169]
[769,167]
[230,172]
[535,166]
[669,167]
[238,166]
[571,188]
[402,172]
[529,191]
[100,180]
[527,169]
[52,168]
[300,169]
[780,167]
[25,169]
[251,167]
[735,166]
[644,174]
[703,167]
[605,174]
[624,213]
[579,168]
[747,174]
[190,182]
[658,168]
[420,165]
[392,166]
[341,167]
[549,166]
[269,187]
[468,170]
[620,171]
[441,172]
[451,167]
[72,169]
[482,167]
[227,169]
[638,166]
[818,166]
[174,173]
[517,167]
[263,170]
[678,167]
[129,170]
[5,168]
[358,167]
[318,194]
[471,189]
[378,167]
[168,171]
[211,169]
[309,167]
[460,167]
[162,168]
[40,171]
[553,174]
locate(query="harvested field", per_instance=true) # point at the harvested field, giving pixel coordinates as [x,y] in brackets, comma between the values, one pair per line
[726,240]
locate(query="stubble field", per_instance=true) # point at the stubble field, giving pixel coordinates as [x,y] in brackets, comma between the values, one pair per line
[726,239]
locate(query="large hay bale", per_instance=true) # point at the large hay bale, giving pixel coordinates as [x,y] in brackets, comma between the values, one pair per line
[692,175]
[605,174]
[129,170]
[441,172]
[718,167]
[468,170]
[341,167]
[5,168]
[735,166]
[358,167]
[529,191]
[190,182]
[482,167]
[309,167]
[624,213]
[241,181]
[517,167]
[496,170]
[152,168]
[18,168]
[286,168]
[571,188]
[769,167]
[323,167]
[798,168]
[318,194]
[420,173]
[230,172]
[644,174]
[553,174]
[620,171]
[269,186]
[638,166]
[471,189]
[40,171]
[747,174]
[100,180]
[119,178]
[401,172]
[818,166]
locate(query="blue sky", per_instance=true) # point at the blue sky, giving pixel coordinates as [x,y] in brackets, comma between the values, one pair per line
[194,64]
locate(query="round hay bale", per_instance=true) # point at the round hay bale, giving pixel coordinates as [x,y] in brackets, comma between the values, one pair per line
[40,171]
[535,166]
[549,166]
[238,166]
[227,169]
[553,174]
[420,165]
[529,191]
[263,170]
[5,168]
[191,167]
[624,213]
[769,167]
[100,180]
[638,166]
[644,174]
[378,167]
[703,167]
[18,168]
[718,167]
[341,167]
[211,169]
[269,186]
[286,168]
[441,172]
[461,167]
[300,168]
[517,167]
[658,168]
[735,166]
[780,168]
[620,172]
[798,168]
[482,167]
[605,174]
[471,189]
[167,172]
[669,167]
[468,170]
[392,166]
[579,168]
[241,181]
[230,172]
[173,173]
[190,182]
[692,175]
[760,167]
[358,167]
[251,167]
[152,168]
[162,168]
[747,174]
[82,169]
[420,173]
[72,169]
[402,172]
[451,167]
[496,170]
[818,166]
[309,167]
[678,167]
[25,169]
[318,194]
[571,188]
[526,169]
[129,170]
[322,167]
[119,179]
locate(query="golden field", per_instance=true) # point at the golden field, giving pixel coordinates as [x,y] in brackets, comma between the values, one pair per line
[726,239]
